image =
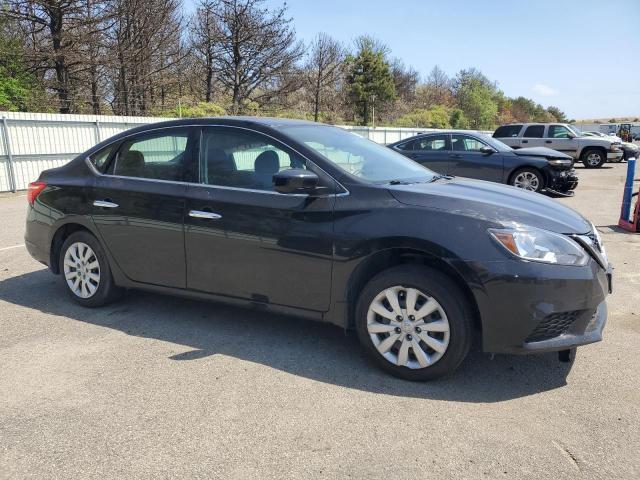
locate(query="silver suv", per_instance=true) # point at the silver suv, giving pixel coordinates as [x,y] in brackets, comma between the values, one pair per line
[592,151]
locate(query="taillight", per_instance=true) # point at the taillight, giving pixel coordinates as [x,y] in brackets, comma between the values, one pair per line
[34,190]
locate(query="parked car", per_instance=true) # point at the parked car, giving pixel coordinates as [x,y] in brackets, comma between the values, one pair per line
[629,150]
[308,219]
[609,136]
[592,152]
[484,158]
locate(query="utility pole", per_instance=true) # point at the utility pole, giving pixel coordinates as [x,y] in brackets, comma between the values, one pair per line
[373,109]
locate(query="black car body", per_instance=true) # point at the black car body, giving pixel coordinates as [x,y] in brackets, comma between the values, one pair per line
[481,157]
[202,208]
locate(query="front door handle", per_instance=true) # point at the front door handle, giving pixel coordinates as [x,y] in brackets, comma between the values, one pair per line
[547,141]
[204,215]
[525,141]
[104,204]
[456,155]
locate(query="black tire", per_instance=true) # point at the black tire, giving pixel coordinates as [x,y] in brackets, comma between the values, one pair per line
[434,284]
[528,171]
[588,158]
[106,291]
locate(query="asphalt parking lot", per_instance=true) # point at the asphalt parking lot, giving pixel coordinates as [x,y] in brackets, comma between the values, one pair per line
[159,387]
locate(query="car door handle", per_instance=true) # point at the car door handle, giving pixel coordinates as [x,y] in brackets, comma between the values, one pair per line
[104,204]
[525,141]
[455,155]
[204,215]
[547,141]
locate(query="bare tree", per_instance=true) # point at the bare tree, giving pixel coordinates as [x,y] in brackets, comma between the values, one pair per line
[55,31]
[437,90]
[205,36]
[147,48]
[323,69]
[258,50]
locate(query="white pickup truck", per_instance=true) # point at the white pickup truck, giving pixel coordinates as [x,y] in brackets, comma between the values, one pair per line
[593,152]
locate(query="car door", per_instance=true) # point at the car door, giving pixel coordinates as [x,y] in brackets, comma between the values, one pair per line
[138,205]
[245,240]
[467,159]
[432,151]
[560,138]
[533,136]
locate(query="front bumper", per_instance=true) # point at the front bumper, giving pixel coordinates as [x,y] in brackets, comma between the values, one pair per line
[562,181]
[528,307]
[615,155]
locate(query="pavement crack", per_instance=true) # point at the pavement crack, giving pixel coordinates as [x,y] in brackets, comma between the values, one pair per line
[567,454]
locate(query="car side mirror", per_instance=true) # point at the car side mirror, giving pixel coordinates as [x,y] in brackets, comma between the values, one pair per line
[571,137]
[487,150]
[295,180]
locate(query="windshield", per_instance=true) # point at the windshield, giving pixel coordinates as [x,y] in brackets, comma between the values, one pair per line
[497,144]
[575,131]
[357,156]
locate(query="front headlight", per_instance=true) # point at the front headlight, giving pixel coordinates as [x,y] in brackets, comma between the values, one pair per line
[615,148]
[539,245]
[560,162]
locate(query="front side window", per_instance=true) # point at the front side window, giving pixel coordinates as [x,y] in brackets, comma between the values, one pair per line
[243,159]
[357,156]
[559,131]
[534,131]
[431,143]
[465,143]
[160,156]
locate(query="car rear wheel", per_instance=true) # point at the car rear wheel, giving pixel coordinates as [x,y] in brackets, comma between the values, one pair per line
[528,179]
[414,322]
[593,158]
[85,271]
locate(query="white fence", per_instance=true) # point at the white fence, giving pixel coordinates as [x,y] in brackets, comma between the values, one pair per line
[32,142]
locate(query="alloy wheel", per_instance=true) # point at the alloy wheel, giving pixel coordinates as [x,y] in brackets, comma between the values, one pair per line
[408,327]
[527,181]
[594,159]
[81,270]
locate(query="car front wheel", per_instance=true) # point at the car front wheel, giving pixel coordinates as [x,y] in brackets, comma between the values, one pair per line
[414,322]
[528,179]
[86,272]
[594,158]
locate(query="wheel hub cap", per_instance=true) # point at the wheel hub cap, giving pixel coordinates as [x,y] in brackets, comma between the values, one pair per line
[81,270]
[408,327]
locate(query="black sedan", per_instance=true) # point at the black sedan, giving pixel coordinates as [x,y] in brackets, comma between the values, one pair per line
[485,158]
[311,220]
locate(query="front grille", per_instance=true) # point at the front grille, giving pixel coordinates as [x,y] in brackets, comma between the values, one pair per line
[553,326]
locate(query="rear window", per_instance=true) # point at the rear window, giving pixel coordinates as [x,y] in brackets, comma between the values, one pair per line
[534,131]
[507,131]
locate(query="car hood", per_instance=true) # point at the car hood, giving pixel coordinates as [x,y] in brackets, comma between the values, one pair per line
[541,152]
[500,204]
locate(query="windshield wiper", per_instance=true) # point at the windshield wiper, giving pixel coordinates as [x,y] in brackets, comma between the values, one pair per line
[440,177]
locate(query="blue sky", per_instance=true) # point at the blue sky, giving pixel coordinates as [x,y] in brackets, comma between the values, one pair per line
[581,56]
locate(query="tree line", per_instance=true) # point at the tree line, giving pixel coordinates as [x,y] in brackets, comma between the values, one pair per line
[145,57]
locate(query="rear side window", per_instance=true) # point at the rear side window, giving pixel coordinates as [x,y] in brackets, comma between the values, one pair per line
[534,131]
[431,143]
[507,131]
[159,156]
[100,158]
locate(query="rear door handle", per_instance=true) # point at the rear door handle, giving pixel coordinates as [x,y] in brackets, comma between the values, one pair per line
[547,141]
[204,215]
[455,155]
[104,204]
[525,141]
